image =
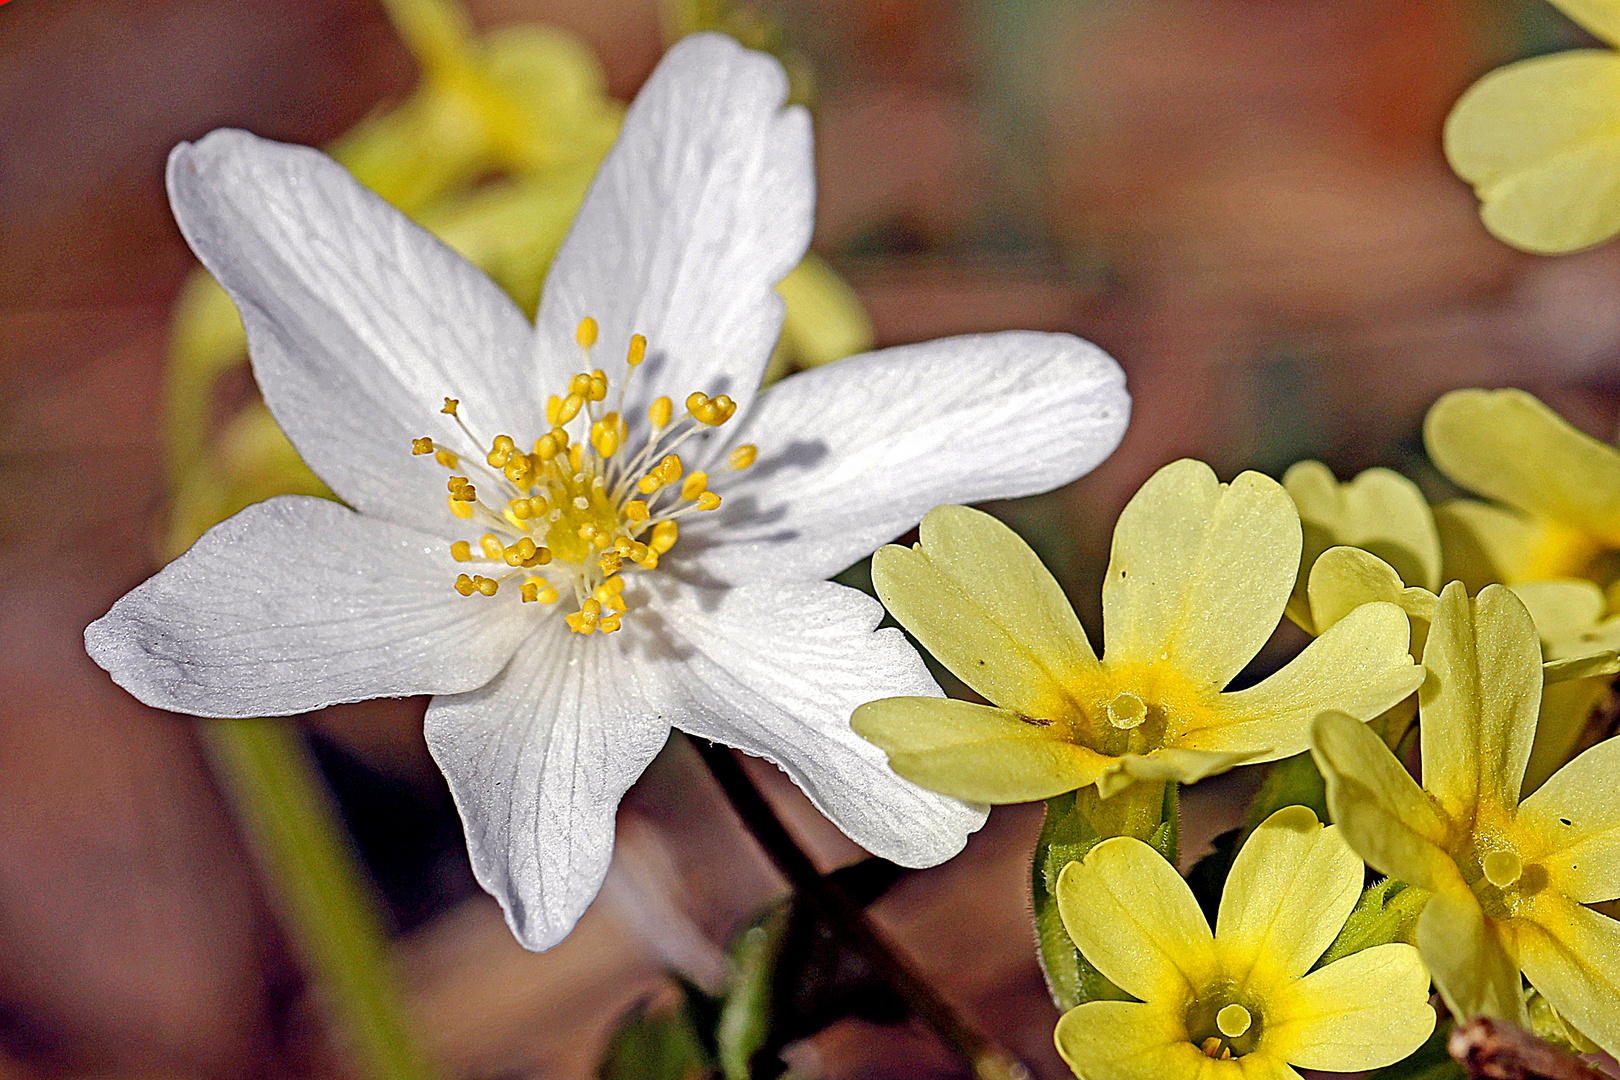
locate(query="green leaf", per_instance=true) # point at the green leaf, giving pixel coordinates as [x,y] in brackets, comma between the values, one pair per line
[662,1045]
[792,977]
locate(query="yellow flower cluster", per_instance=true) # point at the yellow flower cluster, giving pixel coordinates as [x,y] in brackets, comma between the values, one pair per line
[1494,861]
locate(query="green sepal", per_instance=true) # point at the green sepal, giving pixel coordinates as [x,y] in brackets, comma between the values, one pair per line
[1387,911]
[1294,781]
[1070,830]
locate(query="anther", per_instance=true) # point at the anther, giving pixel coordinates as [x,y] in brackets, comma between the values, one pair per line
[450,404]
[421,446]
[708,501]
[609,624]
[570,407]
[743,456]
[500,450]
[664,535]
[538,590]
[695,485]
[487,586]
[599,385]
[660,412]
[461,551]
[520,553]
[636,510]
[605,436]
[447,459]
[464,585]
[638,350]
[586,334]
[493,548]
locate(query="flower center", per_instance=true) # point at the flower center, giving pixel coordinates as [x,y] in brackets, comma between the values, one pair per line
[1222,1028]
[1127,711]
[1502,868]
[577,510]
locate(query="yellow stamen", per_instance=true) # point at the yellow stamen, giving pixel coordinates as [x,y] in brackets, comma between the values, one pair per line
[695,485]
[660,412]
[460,508]
[636,510]
[461,551]
[450,404]
[586,334]
[638,350]
[664,535]
[447,459]
[493,548]
[421,446]
[708,501]
[571,406]
[743,456]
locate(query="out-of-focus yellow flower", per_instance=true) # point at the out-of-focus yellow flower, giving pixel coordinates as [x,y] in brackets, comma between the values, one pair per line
[1579,652]
[1241,1003]
[1197,582]
[1510,879]
[1380,511]
[1540,141]
[493,152]
[1555,491]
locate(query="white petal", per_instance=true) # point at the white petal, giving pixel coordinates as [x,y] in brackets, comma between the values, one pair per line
[777,670]
[359,322]
[537,762]
[297,603]
[853,454]
[703,205]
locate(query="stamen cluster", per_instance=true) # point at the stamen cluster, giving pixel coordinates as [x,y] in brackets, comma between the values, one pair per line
[572,512]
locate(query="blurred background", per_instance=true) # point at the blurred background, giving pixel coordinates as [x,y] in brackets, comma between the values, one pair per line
[1243,200]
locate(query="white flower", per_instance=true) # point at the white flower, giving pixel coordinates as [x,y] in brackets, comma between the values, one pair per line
[361,325]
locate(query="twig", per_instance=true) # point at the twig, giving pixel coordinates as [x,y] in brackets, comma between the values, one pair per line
[849,921]
[1494,1050]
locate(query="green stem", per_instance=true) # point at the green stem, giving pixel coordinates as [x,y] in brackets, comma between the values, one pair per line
[845,917]
[326,905]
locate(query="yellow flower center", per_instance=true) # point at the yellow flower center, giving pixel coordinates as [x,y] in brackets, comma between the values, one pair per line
[573,513]
[1223,1028]
[1502,868]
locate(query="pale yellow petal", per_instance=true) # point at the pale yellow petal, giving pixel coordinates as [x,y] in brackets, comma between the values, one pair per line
[1168,763]
[1540,142]
[975,752]
[1485,544]
[1508,446]
[1572,955]
[1360,666]
[1385,817]
[1601,17]
[1135,920]
[1576,819]
[1380,511]
[1365,1011]
[1289,892]
[1477,711]
[979,599]
[1471,957]
[1124,1040]
[1200,572]
[1566,705]
[1563,611]
[1344,578]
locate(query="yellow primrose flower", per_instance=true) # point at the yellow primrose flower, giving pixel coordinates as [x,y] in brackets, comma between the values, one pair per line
[1536,139]
[1379,511]
[1579,653]
[1555,491]
[1197,582]
[1242,1002]
[1510,879]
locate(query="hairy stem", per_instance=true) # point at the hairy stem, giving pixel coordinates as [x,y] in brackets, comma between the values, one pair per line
[850,923]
